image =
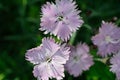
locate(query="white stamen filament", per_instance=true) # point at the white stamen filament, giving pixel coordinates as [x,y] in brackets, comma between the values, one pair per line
[108,39]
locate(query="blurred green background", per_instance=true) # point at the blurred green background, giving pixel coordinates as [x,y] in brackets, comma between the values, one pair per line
[19,23]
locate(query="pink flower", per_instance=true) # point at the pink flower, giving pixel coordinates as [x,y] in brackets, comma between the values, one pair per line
[48,59]
[79,61]
[115,67]
[108,39]
[60,19]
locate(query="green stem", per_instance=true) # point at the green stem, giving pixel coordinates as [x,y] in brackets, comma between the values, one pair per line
[72,40]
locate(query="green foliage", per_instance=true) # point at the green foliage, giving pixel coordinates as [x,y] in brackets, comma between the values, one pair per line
[99,71]
[19,21]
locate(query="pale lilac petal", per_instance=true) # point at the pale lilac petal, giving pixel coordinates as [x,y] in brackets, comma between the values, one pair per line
[41,71]
[50,44]
[75,72]
[58,70]
[62,30]
[34,55]
[62,55]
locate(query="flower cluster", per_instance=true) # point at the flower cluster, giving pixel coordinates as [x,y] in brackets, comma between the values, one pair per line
[51,58]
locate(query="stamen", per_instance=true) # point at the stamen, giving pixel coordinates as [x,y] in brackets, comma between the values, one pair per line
[48,60]
[108,39]
[60,18]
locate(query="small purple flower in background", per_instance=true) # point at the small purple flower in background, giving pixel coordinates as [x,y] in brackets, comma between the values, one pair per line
[48,58]
[108,39]
[60,19]
[79,60]
[115,67]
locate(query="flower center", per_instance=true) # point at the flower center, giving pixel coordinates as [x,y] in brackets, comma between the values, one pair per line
[48,60]
[60,18]
[48,56]
[108,39]
[76,58]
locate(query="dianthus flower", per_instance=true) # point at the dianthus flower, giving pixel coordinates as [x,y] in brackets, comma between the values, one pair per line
[115,67]
[80,60]
[60,19]
[48,59]
[108,39]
